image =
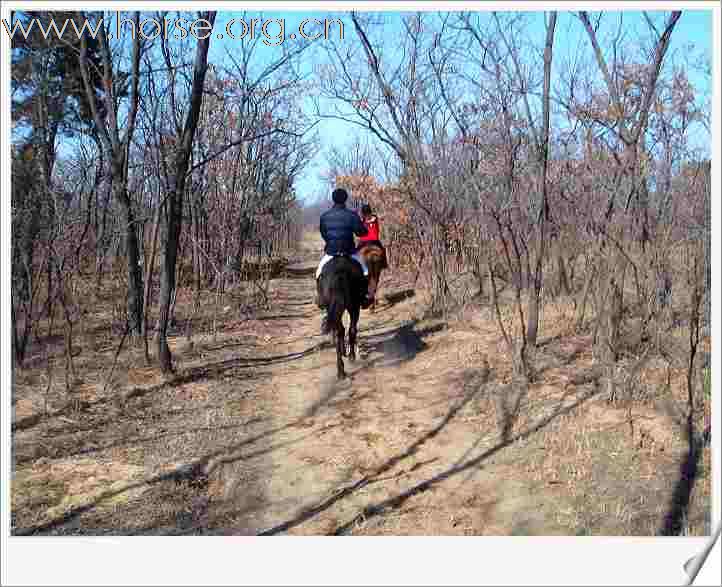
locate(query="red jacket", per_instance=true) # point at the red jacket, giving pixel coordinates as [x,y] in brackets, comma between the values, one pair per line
[374,230]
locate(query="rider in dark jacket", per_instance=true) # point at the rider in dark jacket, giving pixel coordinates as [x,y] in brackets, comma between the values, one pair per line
[338,227]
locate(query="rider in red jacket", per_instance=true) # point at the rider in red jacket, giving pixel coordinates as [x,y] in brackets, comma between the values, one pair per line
[373,234]
[371,221]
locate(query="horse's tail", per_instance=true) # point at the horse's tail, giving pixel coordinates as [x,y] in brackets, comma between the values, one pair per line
[340,297]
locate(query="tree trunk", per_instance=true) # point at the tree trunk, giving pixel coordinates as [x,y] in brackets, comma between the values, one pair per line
[132,251]
[535,294]
[586,290]
[102,202]
[440,291]
[149,278]
[171,232]
[25,291]
[172,226]
[564,280]
[535,291]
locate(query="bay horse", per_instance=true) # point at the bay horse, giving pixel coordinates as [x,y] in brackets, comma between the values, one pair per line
[341,287]
[374,256]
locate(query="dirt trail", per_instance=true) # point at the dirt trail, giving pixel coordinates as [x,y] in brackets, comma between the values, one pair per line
[255,435]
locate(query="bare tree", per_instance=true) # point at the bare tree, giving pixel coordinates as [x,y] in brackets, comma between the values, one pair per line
[627,119]
[177,181]
[116,147]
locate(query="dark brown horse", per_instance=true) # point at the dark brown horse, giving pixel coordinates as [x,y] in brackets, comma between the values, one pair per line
[374,256]
[341,289]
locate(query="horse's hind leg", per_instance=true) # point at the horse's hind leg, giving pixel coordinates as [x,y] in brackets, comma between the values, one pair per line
[343,341]
[353,332]
[340,348]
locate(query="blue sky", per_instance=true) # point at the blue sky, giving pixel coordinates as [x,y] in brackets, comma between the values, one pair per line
[694,29]
[693,34]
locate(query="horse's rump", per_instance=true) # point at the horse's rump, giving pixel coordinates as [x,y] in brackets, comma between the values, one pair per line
[340,285]
[339,281]
[374,254]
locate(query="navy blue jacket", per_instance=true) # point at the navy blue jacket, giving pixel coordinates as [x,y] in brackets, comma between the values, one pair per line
[338,225]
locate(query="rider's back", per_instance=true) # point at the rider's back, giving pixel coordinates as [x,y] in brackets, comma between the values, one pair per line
[338,226]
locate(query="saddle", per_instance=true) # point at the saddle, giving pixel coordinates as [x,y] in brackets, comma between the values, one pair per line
[348,256]
[375,243]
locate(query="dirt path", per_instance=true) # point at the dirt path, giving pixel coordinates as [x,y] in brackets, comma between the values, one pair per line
[427,436]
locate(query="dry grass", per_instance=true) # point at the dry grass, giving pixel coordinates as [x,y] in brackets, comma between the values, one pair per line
[430,436]
[50,489]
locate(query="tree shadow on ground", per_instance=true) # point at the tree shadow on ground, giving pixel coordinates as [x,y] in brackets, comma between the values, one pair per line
[270,317]
[471,391]
[386,505]
[676,516]
[394,346]
[213,370]
[291,272]
[79,449]
[394,298]
[194,474]
[207,371]
[394,502]
[398,345]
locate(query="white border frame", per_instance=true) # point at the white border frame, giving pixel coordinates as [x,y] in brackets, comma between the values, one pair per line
[350,561]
